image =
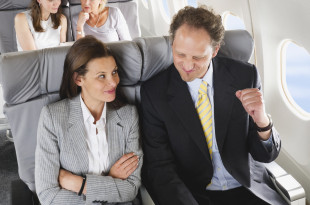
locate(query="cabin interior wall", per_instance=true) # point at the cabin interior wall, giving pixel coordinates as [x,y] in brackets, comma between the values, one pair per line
[274,22]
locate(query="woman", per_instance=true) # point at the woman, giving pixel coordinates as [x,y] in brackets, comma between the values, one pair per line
[88,143]
[40,27]
[105,23]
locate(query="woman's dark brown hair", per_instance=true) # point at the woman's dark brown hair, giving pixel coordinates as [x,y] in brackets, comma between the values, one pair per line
[35,13]
[79,55]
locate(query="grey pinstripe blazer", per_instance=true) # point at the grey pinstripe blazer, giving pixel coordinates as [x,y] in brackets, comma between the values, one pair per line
[61,144]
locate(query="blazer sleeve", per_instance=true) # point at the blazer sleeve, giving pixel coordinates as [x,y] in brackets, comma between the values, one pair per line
[161,178]
[260,151]
[47,165]
[109,189]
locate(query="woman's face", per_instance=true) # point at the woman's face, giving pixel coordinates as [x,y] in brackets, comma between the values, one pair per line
[89,6]
[99,83]
[50,6]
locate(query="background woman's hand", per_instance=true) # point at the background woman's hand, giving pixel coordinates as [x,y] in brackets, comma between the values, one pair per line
[124,167]
[83,17]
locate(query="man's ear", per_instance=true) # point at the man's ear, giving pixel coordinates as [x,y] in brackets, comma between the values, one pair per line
[77,79]
[215,50]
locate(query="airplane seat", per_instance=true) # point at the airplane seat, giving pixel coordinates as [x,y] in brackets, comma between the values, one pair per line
[128,8]
[31,79]
[8,11]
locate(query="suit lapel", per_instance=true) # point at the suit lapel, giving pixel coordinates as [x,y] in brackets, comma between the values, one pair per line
[115,136]
[224,96]
[77,133]
[181,103]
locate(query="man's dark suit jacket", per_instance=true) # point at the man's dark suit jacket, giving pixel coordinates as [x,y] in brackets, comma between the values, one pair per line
[178,166]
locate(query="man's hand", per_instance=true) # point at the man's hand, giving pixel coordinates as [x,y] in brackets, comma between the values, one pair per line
[253,103]
[124,167]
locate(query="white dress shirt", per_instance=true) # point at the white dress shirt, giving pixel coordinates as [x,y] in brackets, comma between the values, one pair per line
[221,179]
[97,142]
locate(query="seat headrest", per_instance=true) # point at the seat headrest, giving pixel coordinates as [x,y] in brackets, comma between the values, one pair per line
[238,45]
[156,54]
[29,74]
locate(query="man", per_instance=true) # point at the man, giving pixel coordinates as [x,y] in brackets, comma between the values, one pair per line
[204,122]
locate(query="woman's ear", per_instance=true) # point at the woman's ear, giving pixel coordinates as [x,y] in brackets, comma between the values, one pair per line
[77,79]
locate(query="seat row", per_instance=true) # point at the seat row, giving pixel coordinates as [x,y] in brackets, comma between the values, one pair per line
[70,8]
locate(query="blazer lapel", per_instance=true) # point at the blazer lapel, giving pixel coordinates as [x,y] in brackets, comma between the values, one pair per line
[115,136]
[224,94]
[181,103]
[77,133]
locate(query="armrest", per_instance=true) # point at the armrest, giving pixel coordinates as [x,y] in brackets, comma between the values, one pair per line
[21,194]
[145,197]
[285,184]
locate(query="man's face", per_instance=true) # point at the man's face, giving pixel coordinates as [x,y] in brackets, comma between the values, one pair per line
[192,52]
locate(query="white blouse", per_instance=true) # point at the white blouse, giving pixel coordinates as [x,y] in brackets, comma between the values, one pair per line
[49,38]
[114,29]
[97,143]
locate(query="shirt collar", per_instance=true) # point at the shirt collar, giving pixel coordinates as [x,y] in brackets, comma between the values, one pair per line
[88,116]
[208,77]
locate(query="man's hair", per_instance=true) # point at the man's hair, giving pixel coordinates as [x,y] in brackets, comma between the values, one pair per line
[199,18]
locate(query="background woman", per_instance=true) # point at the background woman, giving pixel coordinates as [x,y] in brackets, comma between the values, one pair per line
[88,143]
[105,23]
[40,27]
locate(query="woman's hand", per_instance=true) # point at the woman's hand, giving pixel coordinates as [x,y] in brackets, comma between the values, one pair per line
[70,181]
[83,17]
[124,167]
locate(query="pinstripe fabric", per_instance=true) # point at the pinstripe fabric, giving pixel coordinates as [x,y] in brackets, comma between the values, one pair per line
[61,144]
[204,111]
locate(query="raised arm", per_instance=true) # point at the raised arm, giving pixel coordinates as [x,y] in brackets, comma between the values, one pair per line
[23,33]
[63,31]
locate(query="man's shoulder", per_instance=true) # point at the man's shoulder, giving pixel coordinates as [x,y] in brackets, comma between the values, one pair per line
[160,79]
[232,62]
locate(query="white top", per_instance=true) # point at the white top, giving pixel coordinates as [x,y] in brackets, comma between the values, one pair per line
[49,38]
[97,144]
[114,29]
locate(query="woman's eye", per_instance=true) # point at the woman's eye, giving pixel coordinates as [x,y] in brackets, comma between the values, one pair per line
[115,72]
[101,76]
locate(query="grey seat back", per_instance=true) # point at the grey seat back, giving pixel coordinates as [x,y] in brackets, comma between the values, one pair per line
[8,10]
[32,79]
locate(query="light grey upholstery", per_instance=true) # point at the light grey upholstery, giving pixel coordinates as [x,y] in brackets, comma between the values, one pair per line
[129,10]
[32,79]
[238,44]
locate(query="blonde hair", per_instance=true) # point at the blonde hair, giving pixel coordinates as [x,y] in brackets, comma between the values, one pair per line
[102,6]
